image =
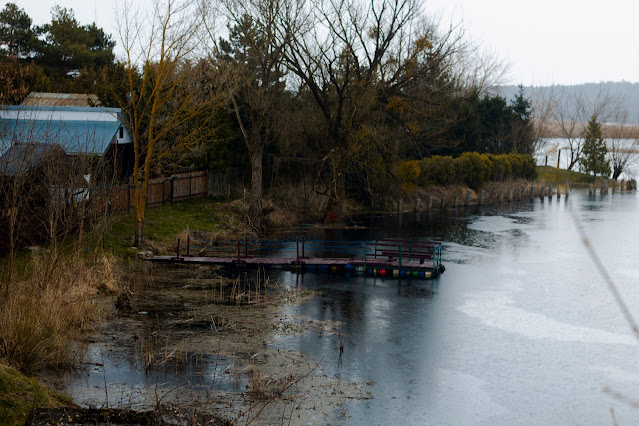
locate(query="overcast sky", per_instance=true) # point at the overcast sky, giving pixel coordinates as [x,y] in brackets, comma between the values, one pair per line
[544,41]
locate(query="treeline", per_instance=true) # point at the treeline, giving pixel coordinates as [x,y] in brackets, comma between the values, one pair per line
[340,91]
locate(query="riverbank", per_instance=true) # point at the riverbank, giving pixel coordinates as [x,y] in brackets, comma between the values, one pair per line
[201,343]
[21,395]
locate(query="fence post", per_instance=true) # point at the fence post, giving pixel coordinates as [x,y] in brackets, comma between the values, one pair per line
[400,254]
[172,188]
[303,244]
[188,245]
[177,250]
[245,247]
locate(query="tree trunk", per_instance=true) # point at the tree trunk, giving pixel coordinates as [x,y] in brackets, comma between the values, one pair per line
[255,209]
[139,226]
[139,210]
[616,172]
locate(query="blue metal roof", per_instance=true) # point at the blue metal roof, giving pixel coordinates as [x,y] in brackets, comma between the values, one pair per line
[114,111]
[75,136]
[22,157]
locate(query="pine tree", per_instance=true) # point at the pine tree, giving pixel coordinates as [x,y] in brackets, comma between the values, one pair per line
[594,150]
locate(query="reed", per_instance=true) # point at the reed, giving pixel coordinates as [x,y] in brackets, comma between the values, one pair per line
[44,314]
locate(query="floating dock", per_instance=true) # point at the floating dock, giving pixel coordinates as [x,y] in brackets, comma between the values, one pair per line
[385,258]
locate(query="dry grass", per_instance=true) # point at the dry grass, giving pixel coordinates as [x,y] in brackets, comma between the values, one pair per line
[43,315]
[294,203]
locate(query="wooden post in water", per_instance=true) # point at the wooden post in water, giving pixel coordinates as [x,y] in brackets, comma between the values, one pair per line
[399,205]
[430,202]
[623,186]
[532,191]
[567,188]
[604,187]
[501,196]
[443,204]
[510,196]
[418,203]
[591,189]
[456,201]
[550,192]
[519,191]
[482,194]
[542,191]
[467,200]
[613,185]
[491,196]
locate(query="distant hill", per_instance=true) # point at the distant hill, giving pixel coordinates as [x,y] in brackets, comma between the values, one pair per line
[629,92]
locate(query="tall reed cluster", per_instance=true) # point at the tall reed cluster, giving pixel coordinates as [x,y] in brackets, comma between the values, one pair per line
[44,313]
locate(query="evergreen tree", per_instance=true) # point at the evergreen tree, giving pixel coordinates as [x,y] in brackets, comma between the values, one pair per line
[16,34]
[67,45]
[594,150]
[521,124]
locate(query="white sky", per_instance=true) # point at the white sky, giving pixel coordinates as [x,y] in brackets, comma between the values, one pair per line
[544,41]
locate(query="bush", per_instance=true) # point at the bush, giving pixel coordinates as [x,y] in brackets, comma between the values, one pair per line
[438,169]
[408,172]
[523,166]
[502,168]
[474,169]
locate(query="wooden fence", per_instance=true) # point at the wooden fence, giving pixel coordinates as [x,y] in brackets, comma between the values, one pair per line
[162,191]
[107,200]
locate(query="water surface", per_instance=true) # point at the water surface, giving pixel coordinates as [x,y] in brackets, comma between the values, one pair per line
[520,329]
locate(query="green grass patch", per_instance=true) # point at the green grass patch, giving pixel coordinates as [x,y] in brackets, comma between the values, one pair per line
[20,395]
[556,176]
[164,224]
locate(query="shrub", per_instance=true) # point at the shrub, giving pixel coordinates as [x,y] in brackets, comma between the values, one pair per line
[408,172]
[523,166]
[474,169]
[438,169]
[502,168]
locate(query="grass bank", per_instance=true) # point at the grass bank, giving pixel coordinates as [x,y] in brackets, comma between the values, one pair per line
[557,177]
[163,225]
[21,395]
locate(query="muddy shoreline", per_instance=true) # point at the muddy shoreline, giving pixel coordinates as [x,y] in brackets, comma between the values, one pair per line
[195,341]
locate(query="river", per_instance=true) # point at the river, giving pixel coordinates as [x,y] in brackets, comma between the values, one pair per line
[520,329]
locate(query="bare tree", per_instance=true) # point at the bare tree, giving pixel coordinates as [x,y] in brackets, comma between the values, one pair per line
[160,98]
[366,63]
[259,32]
[572,112]
[621,140]
[543,109]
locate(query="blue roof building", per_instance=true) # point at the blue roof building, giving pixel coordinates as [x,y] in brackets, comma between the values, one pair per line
[78,130]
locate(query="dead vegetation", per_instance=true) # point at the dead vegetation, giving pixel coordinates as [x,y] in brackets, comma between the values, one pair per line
[186,320]
[44,314]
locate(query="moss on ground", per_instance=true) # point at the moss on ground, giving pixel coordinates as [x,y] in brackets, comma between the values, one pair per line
[21,395]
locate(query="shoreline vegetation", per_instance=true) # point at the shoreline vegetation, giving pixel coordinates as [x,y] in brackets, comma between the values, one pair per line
[66,281]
